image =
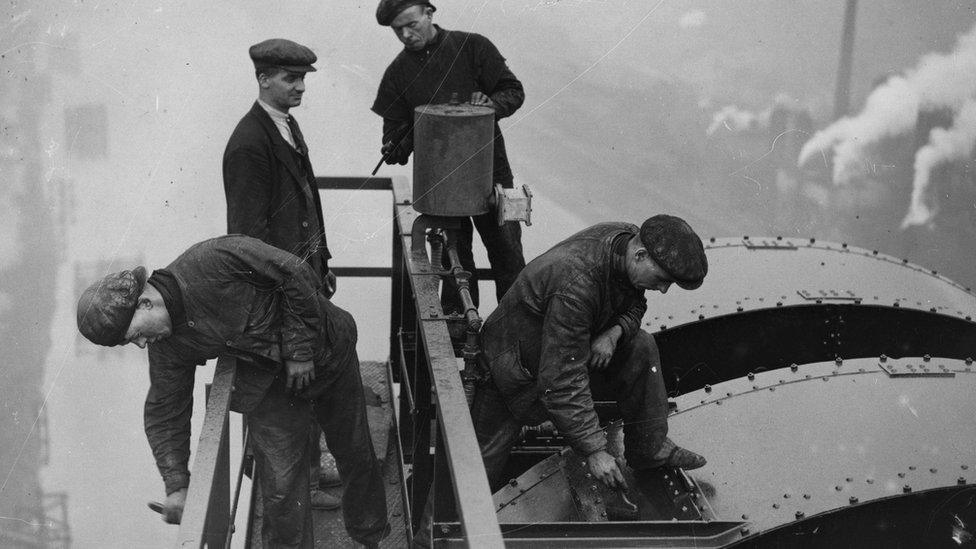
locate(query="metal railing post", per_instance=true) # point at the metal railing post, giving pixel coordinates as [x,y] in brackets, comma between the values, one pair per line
[206,515]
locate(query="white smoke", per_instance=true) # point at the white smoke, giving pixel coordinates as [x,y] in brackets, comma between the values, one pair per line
[938,81]
[736,120]
[945,145]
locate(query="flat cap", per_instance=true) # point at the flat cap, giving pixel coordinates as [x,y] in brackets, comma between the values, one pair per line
[105,308]
[387,11]
[278,52]
[674,246]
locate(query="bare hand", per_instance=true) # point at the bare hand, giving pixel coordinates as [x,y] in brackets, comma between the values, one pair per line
[330,284]
[478,98]
[173,507]
[300,374]
[602,348]
[604,467]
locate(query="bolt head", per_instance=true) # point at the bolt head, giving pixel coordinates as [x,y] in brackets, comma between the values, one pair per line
[853,499]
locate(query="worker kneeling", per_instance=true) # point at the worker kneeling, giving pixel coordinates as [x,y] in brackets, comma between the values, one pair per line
[568,331]
[237,296]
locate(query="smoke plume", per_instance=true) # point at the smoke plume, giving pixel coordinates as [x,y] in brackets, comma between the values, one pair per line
[939,80]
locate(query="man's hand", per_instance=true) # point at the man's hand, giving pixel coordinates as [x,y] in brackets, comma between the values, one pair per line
[602,348]
[300,374]
[173,507]
[478,98]
[330,284]
[394,154]
[604,467]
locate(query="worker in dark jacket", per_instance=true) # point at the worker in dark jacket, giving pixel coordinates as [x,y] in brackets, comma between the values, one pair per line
[268,179]
[568,332]
[269,184]
[238,296]
[435,64]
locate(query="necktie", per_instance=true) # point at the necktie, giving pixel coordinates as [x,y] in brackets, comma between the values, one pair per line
[296,134]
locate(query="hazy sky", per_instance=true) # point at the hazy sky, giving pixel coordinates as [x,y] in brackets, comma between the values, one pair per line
[618,96]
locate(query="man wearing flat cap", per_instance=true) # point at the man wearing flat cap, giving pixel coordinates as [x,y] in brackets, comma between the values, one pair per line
[269,184]
[568,333]
[237,296]
[435,64]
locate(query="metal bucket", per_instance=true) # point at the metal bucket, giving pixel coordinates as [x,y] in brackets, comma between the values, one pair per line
[452,159]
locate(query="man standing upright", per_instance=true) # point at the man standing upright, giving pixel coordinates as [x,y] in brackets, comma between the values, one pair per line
[435,64]
[269,183]
[268,179]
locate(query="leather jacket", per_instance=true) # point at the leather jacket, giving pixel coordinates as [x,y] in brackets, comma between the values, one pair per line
[537,341]
[242,298]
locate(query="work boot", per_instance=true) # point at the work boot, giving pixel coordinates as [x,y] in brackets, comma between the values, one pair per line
[324,501]
[672,455]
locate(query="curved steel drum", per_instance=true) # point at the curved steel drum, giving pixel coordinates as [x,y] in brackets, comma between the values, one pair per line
[831,389]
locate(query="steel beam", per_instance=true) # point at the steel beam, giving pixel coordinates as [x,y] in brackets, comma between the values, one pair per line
[206,514]
[473,497]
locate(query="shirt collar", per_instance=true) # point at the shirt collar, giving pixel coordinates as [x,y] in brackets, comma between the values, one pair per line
[274,113]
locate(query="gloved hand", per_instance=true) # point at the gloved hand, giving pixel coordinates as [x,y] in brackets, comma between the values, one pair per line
[397,154]
[173,506]
[602,348]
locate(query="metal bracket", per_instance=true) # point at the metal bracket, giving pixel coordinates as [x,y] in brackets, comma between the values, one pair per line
[832,295]
[903,368]
[767,244]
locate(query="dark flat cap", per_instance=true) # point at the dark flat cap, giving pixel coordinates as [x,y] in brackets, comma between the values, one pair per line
[107,306]
[387,11]
[278,52]
[674,246]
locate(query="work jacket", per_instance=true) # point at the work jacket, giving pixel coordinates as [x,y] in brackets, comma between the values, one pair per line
[245,299]
[537,342]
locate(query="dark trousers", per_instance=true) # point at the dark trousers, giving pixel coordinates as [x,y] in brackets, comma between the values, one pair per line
[278,429]
[633,379]
[339,407]
[504,247]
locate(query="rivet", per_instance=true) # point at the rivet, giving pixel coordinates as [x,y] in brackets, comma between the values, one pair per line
[906,488]
[964,467]
[874,252]
[838,488]
[799,514]
[663,327]
[701,317]
[961,480]
[786,496]
[745,516]
[812,240]
[444,529]
[793,367]
[838,361]
[901,475]
[896,304]
[927,358]
[969,360]
[933,470]
[911,467]
[843,245]
[779,238]
[718,402]
[932,310]
[708,388]
[751,376]
[853,499]
[712,239]
[884,358]
[738,309]
[904,261]
[849,479]
[744,531]
[779,303]
[870,481]
[775,506]
[513,482]
[745,237]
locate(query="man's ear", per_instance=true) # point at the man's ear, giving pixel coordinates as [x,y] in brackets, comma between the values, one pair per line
[144,303]
[641,253]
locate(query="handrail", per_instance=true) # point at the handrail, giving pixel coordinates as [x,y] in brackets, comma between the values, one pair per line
[206,515]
